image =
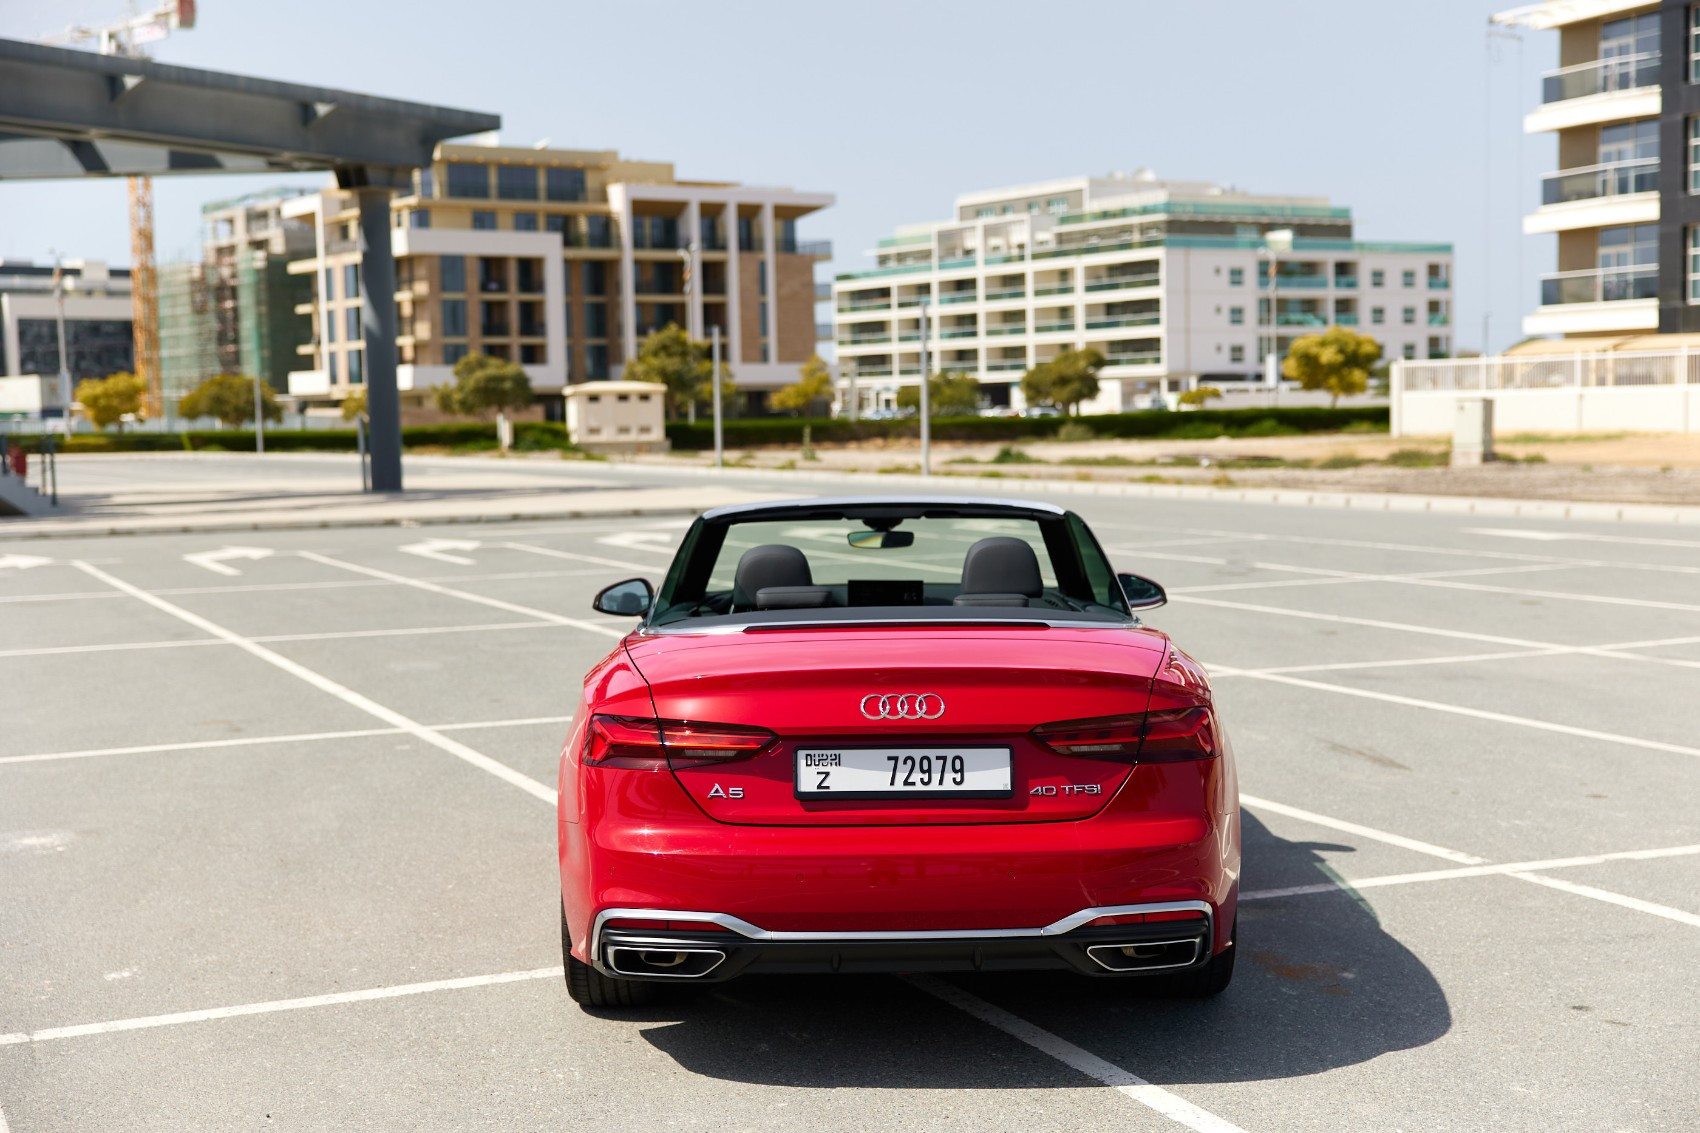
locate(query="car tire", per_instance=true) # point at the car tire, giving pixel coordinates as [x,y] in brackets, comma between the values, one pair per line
[1210,980]
[590,988]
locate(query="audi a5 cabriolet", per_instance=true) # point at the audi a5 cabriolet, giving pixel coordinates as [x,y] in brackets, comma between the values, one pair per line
[894,735]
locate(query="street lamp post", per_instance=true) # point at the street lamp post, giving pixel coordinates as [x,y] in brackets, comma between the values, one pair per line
[926,400]
[64,360]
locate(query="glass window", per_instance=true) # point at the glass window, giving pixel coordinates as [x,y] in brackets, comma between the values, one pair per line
[1408,316]
[356,367]
[469,181]
[596,320]
[561,224]
[1408,279]
[1629,141]
[1629,245]
[985,210]
[563,184]
[453,270]
[1694,153]
[1236,277]
[761,279]
[1694,43]
[351,281]
[595,277]
[453,352]
[1694,263]
[454,318]
[351,323]
[1236,353]
[1236,315]
[419,218]
[1378,315]
[525,222]
[1056,205]
[330,328]
[567,325]
[423,183]
[331,367]
[330,281]
[483,219]
[746,234]
[1377,278]
[1408,351]
[516,182]
[598,232]
[596,363]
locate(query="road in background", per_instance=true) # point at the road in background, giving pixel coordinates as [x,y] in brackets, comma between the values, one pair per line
[277,847]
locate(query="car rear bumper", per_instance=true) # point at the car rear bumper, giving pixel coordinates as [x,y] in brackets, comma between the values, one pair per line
[726,946]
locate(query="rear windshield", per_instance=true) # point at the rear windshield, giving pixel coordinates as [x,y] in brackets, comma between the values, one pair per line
[840,567]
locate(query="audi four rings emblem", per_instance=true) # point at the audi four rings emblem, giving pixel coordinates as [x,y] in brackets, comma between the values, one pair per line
[903,706]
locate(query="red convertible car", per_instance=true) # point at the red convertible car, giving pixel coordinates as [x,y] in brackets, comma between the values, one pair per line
[894,735]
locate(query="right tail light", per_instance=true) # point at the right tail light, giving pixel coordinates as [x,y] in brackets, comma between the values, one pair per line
[1170,736]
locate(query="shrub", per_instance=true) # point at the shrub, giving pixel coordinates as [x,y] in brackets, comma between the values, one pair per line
[1073,431]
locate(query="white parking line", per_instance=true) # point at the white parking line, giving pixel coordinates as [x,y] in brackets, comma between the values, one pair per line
[1611,898]
[328,584]
[550,552]
[1611,649]
[1362,831]
[296,737]
[1123,1081]
[604,628]
[1383,880]
[329,635]
[366,995]
[340,691]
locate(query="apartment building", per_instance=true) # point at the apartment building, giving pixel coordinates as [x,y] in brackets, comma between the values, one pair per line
[1176,283]
[1624,106]
[562,261]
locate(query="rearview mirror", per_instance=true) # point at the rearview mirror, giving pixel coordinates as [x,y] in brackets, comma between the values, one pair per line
[627,599]
[1141,592]
[881,540]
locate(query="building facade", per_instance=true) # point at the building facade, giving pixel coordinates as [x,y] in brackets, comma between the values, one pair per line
[238,310]
[562,261]
[1176,283]
[96,300]
[1624,107]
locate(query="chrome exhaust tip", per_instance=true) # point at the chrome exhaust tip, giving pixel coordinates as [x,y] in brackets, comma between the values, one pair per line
[1146,955]
[667,963]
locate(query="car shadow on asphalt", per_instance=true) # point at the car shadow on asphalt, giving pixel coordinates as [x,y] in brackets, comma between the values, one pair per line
[1319,985]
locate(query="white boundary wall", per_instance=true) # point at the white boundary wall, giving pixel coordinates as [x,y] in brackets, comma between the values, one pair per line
[1647,391]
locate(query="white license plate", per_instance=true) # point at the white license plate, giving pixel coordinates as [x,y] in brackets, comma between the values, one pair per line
[903,772]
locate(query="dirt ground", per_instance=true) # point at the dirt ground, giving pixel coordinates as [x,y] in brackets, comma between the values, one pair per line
[1612,467]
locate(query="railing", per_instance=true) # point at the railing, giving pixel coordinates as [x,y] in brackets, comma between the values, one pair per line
[1007,293]
[1123,321]
[958,297]
[969,333]
[1621,72]
[1136,358]
[881,372]
[1299,319]
[1049,328]
[1347,320]
[1602,368]
[911,337]
[1589,182]
[1060,289]
[1123,282]
[1346,281]
[959,262]
[1093,249]
[1295,282]
[1014,328]
[867,305]
[1007,258]
[1005,367]
[1440,320]
[864,340]
[1437,284]
[1600,285]
[913,300]
[821,248]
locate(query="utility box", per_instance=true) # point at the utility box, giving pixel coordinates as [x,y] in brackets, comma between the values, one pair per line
[1472,432]
[617,416]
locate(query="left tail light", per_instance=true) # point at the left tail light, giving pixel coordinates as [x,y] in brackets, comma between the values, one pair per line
[645,743]
[1155,737]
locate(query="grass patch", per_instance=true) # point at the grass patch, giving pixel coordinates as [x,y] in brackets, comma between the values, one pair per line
[1556,438]
[1342,460]
[1364,427]
[963,460]
[1102,461]
[1075,431]
[1009,454]
[898,469]
[1418,458]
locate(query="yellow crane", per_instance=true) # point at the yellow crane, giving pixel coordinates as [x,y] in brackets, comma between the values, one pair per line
[129,37]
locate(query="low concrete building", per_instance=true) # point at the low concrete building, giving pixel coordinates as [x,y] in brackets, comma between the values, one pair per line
[617,416]
[97,326]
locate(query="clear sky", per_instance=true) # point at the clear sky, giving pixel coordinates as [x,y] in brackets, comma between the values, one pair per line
[1398,110]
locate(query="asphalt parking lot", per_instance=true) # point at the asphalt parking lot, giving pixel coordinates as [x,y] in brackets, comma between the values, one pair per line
[277,847]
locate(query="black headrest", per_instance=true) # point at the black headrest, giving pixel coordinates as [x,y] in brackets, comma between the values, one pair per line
[773,564]
[1001,565]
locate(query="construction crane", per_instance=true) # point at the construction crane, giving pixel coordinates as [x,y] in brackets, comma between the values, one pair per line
[129,37]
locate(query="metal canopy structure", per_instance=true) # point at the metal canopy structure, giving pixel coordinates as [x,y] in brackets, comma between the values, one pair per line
[74,114]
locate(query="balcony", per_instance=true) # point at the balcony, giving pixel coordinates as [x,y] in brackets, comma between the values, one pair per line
[1440,320]
[1590,182]
[958,262]
[968,332]
[1059,289]
[1005,367]
[1299,319]
[1600,285]
[1294,282]
[1123,321]
[1012,328]
[1007,293]
[864,340]
[1052,328]
[1346,320]
[1439,284]
[1346,282]
[877,372]
[1120,283]
[1601,76]
[1135,358]
[866,305]
[819,249]
[958,297]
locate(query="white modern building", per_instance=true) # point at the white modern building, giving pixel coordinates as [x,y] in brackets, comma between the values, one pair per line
[1176,283]
[95,302]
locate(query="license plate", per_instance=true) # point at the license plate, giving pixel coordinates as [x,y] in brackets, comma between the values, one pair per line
[903,772]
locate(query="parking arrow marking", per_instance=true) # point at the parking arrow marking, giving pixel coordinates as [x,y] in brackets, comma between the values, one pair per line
[215,560]
[23,562]
[438,549]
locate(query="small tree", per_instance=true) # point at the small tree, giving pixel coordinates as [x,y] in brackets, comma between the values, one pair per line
[1065,381]
[682,364]
[813,385]
[948,395]
[483,385]
[1200,396]
[230,399]
[107,401]
[354,405]
[1338,361]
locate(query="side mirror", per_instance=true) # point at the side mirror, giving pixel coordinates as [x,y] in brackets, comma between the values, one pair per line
[1141,592]
[628,599]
